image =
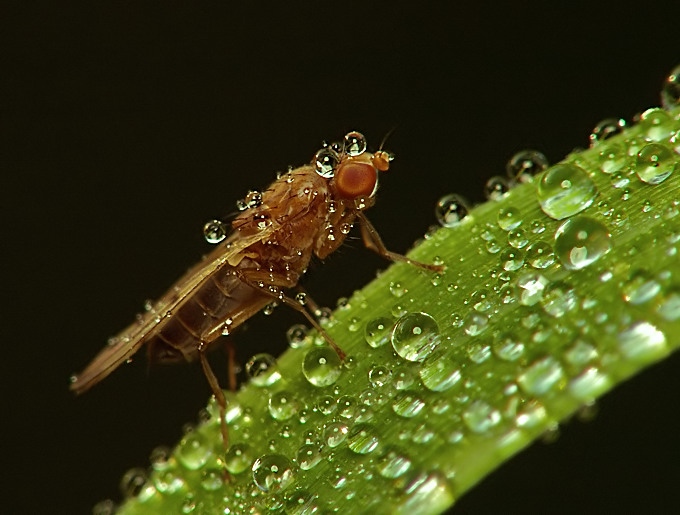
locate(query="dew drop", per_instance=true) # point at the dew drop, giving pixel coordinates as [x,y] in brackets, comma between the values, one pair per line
[354,143]
[429,489]
[322,366]
[309,456]
[580,354]
[296,335]
[613,158]
[273,473]
[509,218]
[642,342]
[512,259]
[670,92]
[640,288]
[133,481]
[283,405]
[508,347]
[480,417]
[656,124]
[212,479]
[439,372]
[669,306]
[107,507]
[335,434]
[379,376]
[263,370]
[193,451]
[451,209]
[238,458]
[531,287]
[559,299]
[589,384]
[408,404]
[541,376]
[524,165]
[496,187]
[581,241]
[214,231]
[415,336]
[655,163]
[377,331]
[531,415]
[393,464]
[565,190]
[362,439]
[540,255]
[606,129]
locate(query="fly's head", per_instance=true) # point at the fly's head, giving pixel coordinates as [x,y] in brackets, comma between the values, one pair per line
[351,170]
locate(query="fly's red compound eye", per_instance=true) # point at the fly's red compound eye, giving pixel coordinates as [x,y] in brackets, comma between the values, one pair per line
[353,180]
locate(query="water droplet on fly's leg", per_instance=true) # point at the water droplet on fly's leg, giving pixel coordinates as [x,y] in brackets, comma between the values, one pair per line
[670,92]
[214,231]
[325,162]
[606,129]
[524,165]
[451,209]
[354,143]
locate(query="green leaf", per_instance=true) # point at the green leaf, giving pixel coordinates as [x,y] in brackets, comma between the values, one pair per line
[553,294]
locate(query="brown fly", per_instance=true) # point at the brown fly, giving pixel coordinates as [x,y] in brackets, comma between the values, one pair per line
[307,211]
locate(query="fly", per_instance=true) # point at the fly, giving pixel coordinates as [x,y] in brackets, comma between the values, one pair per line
[306,212]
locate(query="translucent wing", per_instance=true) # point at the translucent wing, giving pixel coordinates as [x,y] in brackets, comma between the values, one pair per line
[129,341]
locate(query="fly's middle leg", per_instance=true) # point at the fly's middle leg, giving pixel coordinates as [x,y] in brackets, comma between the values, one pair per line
[219,397]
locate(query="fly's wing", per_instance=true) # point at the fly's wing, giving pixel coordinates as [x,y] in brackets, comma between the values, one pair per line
[126,343]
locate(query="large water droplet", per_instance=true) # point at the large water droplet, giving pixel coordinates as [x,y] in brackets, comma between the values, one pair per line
[655,163]
[325,162]
[451,209]
[541,376]
[564,190]
[214,231]
[377,331]
[439,372]
[581,241]
[354,143]
[480,416]
[415,336]
[642,342]
[273,473]
[322,366]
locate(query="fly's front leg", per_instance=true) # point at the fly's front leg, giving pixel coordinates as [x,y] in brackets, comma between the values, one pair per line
[262,280]
[373,242]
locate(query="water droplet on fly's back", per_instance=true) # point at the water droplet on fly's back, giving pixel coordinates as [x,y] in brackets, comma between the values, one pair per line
[322,366]
[214,231]
[655,163]
[415,336]
[451,209]
[565,190]
[354,143]
[325,162]
[524,165]
[273,473]
[580,241]
[263,370]
[670,91]
[606,129]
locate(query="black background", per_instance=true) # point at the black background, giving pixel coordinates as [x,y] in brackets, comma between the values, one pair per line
[124,128]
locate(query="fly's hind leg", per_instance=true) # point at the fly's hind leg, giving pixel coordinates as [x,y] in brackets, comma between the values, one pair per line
[373,242]
[219,397]
[263,279]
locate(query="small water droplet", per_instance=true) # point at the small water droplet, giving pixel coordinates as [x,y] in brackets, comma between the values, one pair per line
[393,464]
[581,353]
[238,458]
[656,124]
[580,241]
[415,336]
[263,370]
[669,305]
[377,331]
[439,372]
[655,163]
[335,434]
[540,255]
[524,165]
[322,366]
[273,473]
[296,335]
[512,259]
[214,231]
[509,218]
[451,209]
[133,481]
[670,91]
[531,415]
[613,158]
[559,299]
[640,288]
[193,451]
[531,287]
[642,342]
[508,347]
[606,129]
[379,376]
[496,187]
[325,162]
[362,439]
[589,384]
[541,376]
[408,404]
[564,190]
[480,417]
[283,405]
[397,290]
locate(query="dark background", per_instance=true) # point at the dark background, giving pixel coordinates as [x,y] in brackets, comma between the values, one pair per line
[124,128]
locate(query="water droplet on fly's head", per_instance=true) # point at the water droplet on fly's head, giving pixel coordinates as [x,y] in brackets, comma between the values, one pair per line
[325,162]
[415,336]
[655,163]
[496,187]
[581,241]
[273,473]
[451,209]
[322,366]
[263,370]
[606,129]
[354,143]
[525,164]
[214,231]
[670,92]
[565,190]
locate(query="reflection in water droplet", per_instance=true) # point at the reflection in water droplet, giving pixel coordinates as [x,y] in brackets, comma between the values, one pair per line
[655,163]
[439,372]
[238,458]
[541,376]
[509,218]
[451,209]
[525,164]
[214,231]
[379,376]
[670,92]
[564,190]
[354,143]
[581,241]
[642,342]
[325,162]
[377,331]
[335,434]
[273,473]
[283,405]
[322,366]
[531,286]
[606,129]
[496,187]
[407,404]
[362,439]
[263,370]
[415,336]
[479,417]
